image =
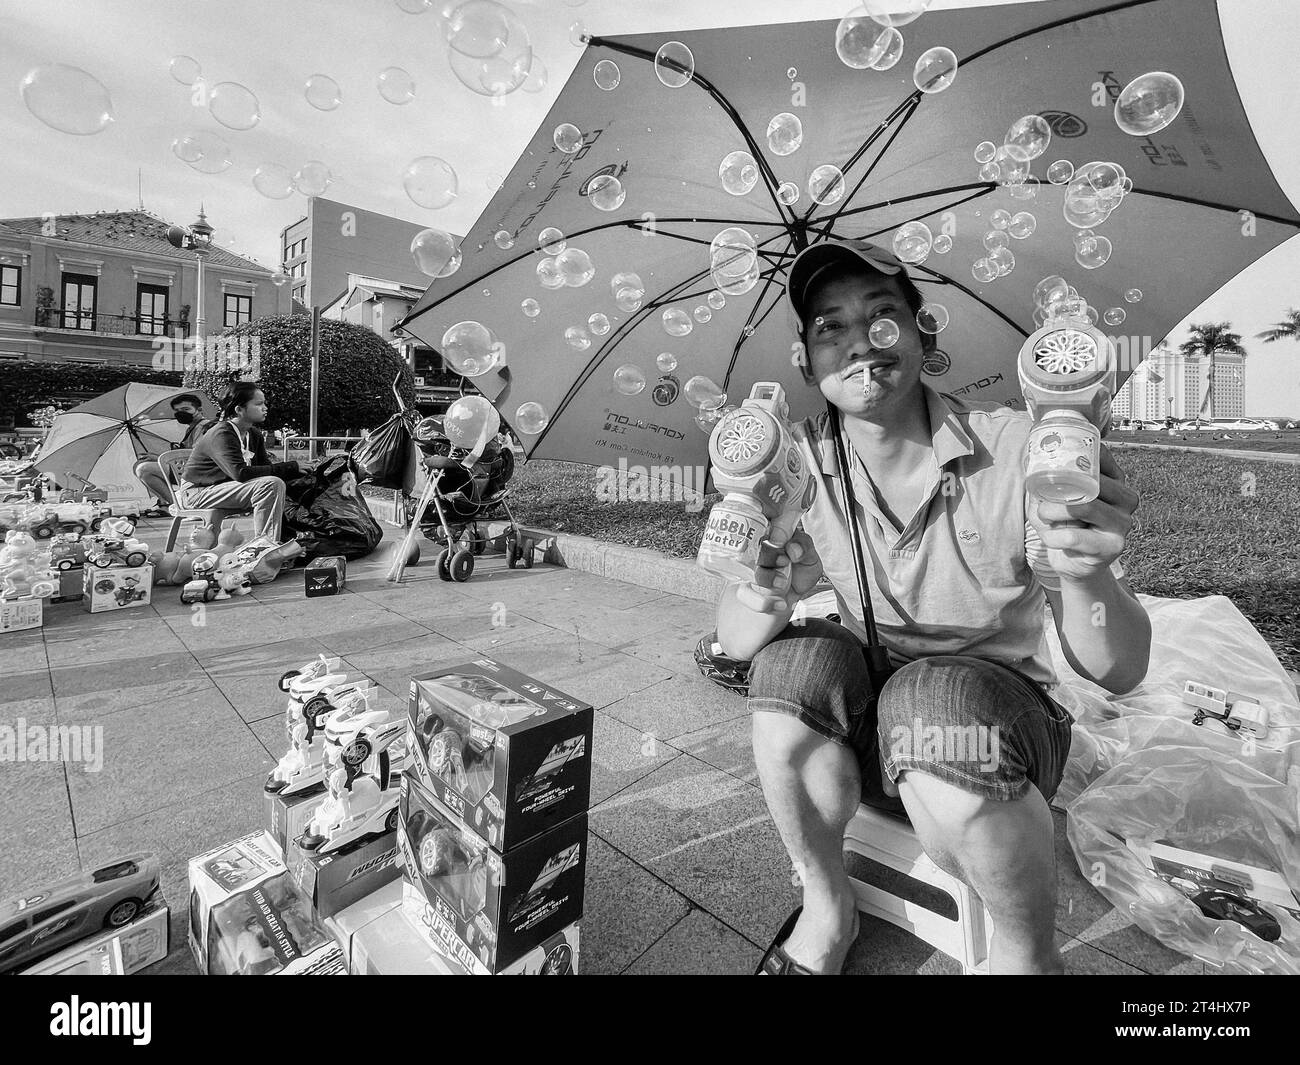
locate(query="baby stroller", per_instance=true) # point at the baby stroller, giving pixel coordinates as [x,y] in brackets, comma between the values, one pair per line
[463,498]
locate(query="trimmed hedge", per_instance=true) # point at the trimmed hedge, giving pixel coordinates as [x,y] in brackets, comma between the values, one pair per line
[356,372]
[27,386]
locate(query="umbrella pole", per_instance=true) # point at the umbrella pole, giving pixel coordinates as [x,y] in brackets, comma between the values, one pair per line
[877,657]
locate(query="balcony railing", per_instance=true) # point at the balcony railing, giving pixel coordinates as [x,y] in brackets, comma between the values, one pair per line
[131,325]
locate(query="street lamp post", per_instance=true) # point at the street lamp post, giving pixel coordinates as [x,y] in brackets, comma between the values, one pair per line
[201,232]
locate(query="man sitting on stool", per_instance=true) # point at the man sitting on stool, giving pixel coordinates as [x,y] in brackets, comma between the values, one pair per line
[188,410]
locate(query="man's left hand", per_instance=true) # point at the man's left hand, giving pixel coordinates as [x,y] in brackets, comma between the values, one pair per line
[1084,539]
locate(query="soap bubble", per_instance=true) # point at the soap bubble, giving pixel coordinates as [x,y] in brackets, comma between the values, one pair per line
[1049,290]
[1013,161]
[859,42]
[471,349]
[1149,103]
[677,323]
[996,238]
[666,361]
[935,70]
[626,280]
[985,151]
[273,181]
[214,157]
[706,420]
[1060,172]
[606,193]
[503,240]
[1027,190]
[537,76]
[738,173]
[551,240]
[531,418]
[733,252]
[983,270]
[737,286]
[599,324]
[883,333]
[626,299]
[1032,133]
[893,50]
[784,133]
[430,182]
[576,337]
[1115,316]
[1133,295]
[188,147]
[826,185]
[234,106]
[396,85]
[1105,178]
[1022,225]
[703,393]
[67,99]
[912,242]
[1083,212]
[702,314]
[788,193]
[629,380]
[932,318]
[990,171]
[531,307]
[567,137]
[478,28]
[1000,219]
[895,12]
[1092,253]
[575,267]
[674,64]
[435,253]
[942,244]
[716,300]
[548,273]
[577,33]
[415,7]
[470,422]
[607,75]
[184,69]
[497,75]
[1003,260]
[323,92]
[312,178]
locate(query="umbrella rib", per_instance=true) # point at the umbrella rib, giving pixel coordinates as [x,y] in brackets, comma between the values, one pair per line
[945,279]
[1197,202]
[751,325]
[1123,5]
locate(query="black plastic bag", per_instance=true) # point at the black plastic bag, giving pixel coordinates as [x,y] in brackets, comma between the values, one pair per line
[387,457]
[325,514]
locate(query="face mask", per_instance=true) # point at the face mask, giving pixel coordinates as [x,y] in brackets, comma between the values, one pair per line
[184,417]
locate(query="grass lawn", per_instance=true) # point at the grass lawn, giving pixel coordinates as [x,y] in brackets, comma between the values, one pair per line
[1287,443]
[1204,528]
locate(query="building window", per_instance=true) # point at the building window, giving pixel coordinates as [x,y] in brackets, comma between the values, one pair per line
[79,293]
[151,309]
[239,309]
[299,292]
[11,278]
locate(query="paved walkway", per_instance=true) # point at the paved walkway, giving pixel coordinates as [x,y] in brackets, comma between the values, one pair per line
[686,871]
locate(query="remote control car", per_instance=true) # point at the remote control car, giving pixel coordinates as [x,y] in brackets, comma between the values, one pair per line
[113,551]
[42,922]
[1224,906]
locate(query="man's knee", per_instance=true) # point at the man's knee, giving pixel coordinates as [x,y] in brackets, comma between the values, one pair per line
[803,652]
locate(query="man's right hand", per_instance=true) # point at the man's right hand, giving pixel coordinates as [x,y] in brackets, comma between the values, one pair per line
[773,589]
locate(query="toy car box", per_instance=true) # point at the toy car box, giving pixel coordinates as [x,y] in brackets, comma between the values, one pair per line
[325,576]
[1192,873]
[509,754]
[485,909]
[286,816]
[116,588]
[71,586]
[377,939]
[115,951]
[248,919]
[336,880]
[19,614]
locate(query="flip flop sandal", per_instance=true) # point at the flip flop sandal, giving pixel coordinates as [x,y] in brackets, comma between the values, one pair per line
[776,962]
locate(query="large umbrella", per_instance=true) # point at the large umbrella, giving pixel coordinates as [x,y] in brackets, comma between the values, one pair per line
[1204,205]
[100,441]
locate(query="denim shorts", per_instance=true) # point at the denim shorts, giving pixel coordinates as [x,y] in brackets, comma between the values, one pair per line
[977,724]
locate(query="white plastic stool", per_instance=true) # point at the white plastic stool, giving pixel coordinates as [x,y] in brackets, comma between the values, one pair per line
[891,842]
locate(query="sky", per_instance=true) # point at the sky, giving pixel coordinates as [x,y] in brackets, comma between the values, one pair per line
[273,46]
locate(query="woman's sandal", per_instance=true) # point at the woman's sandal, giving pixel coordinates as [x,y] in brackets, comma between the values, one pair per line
[776,962]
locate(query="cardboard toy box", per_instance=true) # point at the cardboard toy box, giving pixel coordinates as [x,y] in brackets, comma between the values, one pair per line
[508,754]
[116,587]
[286,816]
[19,614]
[333,881]
[248,919]
[484,909]
[377,939]
[114,951]
[1191,873]
[327,575]
[71,582]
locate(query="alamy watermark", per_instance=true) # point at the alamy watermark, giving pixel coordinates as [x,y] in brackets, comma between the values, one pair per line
[963,745]
[79,744]
[652,484]
[240,355]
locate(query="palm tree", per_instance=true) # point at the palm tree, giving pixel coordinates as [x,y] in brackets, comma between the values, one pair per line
[1288,328]
[1209,340]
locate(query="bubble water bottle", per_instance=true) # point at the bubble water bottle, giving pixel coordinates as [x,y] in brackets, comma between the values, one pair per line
[766,484]
[1067,373]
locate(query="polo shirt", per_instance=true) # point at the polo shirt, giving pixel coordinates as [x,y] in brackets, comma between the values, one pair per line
[966,575]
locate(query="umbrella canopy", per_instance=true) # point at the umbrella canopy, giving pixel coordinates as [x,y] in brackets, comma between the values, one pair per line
[100,441]
[1204,205]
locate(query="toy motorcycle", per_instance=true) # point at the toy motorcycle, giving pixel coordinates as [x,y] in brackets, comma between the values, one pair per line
[129,591]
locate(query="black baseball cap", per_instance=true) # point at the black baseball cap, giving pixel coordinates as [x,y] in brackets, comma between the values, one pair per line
[816,258]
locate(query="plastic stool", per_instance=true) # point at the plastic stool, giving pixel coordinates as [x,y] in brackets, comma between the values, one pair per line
[891,841]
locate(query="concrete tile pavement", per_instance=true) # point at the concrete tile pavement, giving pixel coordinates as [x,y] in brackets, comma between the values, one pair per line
[686,871]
